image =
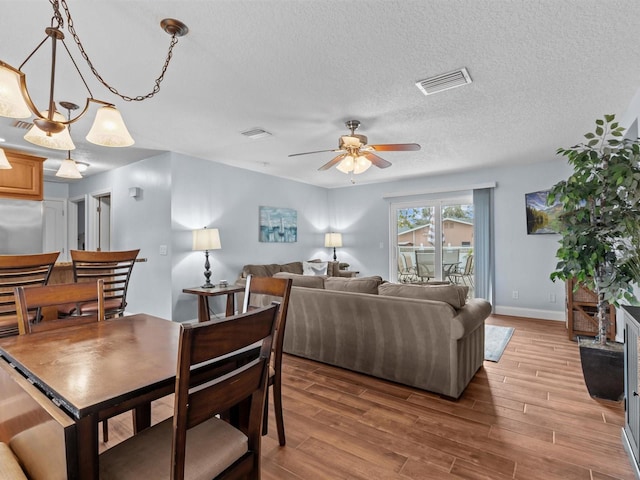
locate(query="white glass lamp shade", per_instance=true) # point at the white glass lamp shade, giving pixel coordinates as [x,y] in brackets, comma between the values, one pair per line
[362,164]
[108,129]
[4,161]
[206,239]
[68,169]
[57,141]
[346,165]
[333,239]
[12,102]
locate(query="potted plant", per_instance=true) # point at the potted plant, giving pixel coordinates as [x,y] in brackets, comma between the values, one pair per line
[600,236]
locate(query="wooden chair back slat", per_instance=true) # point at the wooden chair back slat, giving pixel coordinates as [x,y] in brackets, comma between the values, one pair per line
[35,298]
[114,268]
[20,271]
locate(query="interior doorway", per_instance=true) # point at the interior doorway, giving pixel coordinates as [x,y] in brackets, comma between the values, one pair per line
[77,223]
[103,222]
[55,227]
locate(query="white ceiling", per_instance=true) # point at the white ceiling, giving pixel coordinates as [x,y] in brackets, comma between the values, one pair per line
[542,72]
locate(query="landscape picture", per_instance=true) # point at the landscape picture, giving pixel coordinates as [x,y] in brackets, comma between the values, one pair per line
[542,218]
[278,225]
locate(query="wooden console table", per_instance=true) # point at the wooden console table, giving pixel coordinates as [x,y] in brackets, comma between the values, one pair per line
[203,299]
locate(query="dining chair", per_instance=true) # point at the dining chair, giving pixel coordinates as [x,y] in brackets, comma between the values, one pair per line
[114,268]
[278,290]
[20,271]
[31,299]
[196,442]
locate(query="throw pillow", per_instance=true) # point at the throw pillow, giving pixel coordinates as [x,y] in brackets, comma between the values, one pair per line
[292,267]
[454,295]
[314,268]
[358,285]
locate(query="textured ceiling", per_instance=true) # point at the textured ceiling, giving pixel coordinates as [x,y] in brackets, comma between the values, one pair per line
[542,72]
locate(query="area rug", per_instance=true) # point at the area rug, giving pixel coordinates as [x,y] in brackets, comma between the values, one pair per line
[495,341]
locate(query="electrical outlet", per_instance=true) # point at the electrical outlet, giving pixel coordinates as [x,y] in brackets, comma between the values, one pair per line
[552,298]
[515,294]
[163,249]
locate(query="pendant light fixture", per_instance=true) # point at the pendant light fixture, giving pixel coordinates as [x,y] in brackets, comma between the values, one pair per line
[68,168]
[108,127]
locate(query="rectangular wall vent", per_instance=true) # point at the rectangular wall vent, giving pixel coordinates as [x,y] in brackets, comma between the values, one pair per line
[22,125]
[256,133]
[448,80]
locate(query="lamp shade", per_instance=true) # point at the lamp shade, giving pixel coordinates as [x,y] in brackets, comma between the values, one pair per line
[346,165]
[108,129]
[4,161]
[12,102]
[333,239]
[68,169]
[206,239]
[57,141]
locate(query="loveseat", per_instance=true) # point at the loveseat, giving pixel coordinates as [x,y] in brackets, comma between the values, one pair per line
[425,336]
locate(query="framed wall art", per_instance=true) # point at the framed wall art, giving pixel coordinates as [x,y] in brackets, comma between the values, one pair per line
[278,225]
[542,218]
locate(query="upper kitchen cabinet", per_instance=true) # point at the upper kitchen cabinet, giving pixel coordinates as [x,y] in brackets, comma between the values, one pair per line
[23,181]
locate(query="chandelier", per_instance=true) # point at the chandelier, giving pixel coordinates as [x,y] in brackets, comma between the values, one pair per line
[50,128]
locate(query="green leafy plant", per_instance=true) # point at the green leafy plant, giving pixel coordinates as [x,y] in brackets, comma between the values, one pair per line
[600,223]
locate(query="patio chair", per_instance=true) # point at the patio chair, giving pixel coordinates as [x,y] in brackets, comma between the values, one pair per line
[466,276]
[425,262]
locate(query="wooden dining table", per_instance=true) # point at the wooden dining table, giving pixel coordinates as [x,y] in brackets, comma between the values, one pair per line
[94,371]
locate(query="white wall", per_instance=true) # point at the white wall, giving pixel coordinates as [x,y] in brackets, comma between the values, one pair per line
[523,262]
[143,222]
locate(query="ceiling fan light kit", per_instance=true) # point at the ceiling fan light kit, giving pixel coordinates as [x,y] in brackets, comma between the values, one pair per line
[355,156]
[108,128]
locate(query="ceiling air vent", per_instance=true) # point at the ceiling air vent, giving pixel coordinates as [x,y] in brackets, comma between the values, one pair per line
[436,84]
[22,125]
[256,133]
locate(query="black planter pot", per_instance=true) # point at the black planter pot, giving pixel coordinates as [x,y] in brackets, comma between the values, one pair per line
[603,368]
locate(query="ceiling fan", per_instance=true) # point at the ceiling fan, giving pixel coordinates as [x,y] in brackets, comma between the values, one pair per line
[356,156]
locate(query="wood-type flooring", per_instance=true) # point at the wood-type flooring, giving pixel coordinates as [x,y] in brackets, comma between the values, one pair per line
[528,416]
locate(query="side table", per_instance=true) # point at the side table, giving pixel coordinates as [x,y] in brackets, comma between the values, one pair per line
[203,299]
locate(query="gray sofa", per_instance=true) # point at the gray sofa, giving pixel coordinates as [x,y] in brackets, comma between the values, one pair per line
[423,336]
[269,270]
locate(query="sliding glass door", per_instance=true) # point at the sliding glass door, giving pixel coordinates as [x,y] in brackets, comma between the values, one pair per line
[432,241]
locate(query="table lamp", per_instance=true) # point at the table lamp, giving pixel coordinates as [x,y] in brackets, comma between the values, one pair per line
[206,239]
[333,240]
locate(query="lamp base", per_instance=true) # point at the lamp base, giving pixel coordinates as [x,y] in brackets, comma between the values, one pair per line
[207,285]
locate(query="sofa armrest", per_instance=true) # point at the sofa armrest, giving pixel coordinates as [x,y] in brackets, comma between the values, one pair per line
[470,317]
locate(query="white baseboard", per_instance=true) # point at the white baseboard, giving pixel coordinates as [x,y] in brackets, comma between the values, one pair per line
[531,313]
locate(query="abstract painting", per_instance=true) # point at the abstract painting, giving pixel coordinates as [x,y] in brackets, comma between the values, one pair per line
[278,225]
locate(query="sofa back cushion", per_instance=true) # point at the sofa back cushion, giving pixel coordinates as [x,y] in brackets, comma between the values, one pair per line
[358,285]
[292,267]
[267,270]
[309,281]
[454,295]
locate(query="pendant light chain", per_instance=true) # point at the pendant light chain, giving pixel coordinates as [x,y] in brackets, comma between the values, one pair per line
[139,98]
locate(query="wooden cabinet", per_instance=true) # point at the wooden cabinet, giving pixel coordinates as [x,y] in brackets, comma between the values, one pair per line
[581,313]
[631,432]
[25,180]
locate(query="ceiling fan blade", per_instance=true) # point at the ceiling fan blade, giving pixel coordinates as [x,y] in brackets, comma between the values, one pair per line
[377,161]
[396,147]
[317,151]
[332,162]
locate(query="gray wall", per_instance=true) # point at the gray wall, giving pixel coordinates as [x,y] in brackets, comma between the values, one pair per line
[523,262]
[209,194]
[180,194]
